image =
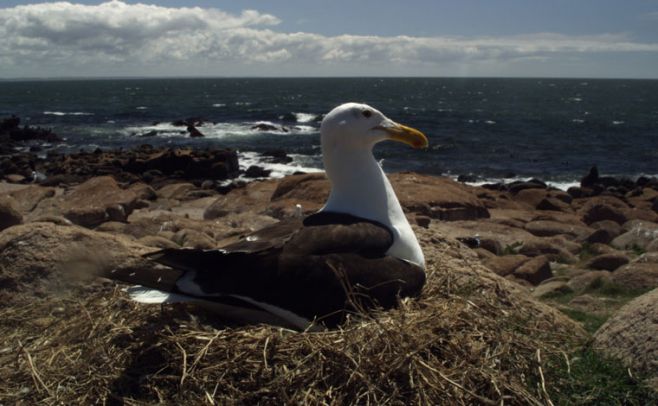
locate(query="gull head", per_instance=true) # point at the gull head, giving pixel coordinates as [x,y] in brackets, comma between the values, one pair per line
[355,126]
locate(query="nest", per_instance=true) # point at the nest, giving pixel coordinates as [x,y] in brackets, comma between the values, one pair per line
[468,340]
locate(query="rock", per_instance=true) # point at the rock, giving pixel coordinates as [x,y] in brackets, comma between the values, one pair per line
[602,236]
[491,245]
[9,214]
[143,191]
[588,280]
[156,241]
[591,179]
[255,171]
[253,197]
[592,304]
[98,200]
[15,178]
[516,187]
[175,190]
[630,335]
[636,276]
[194,132]
[209,164]
[607,262]
[31,254]
[534,270]
[550,288]
[194,239]
[653,246]
[531,197]
[506,264]
[484,254]
[30,197]
[599,249]
[551,228]
[551,203]
[604,232]
[640,236]
[423,221]
[599,212]
[268,127]
[541,247]
[11,127]
[58,220]
[438,197]
[277,156]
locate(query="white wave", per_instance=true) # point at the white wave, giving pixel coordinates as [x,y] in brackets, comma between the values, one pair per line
[562,185]
[219,105]
[278,170]
[63,113]
[617,122]
[490,122]
[577,121]
[219,130]
[305,117]
[141,108]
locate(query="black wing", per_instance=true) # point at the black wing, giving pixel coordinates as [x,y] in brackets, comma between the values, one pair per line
[308,266]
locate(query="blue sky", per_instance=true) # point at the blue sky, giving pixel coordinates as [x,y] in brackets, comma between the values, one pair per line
[577,38]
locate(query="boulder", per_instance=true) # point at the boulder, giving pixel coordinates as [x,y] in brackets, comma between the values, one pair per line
[601,236]
[438,197]
[157,241]
[608,225]
[423,221]
[534,270]
[547,228]
[30,197]
[597,305]
[175,190]
[98,200]
[588,280]
[531,197]
[630,335]
[253,197]
[9,214]
[209,164]
[604,232]
[143,191]
[194,239]
[636,276]
[640,236]
[506,264]
[599,212]
[255,171]
[553,204]
[15,178]
[549,288]
[36,259]
[545,247]
[653,246]
[607,262]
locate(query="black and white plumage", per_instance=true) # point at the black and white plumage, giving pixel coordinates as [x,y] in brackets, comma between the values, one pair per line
[359,246]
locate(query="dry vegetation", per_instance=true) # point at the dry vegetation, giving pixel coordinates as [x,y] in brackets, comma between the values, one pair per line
[471,339]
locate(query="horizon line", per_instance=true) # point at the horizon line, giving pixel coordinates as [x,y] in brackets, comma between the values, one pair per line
[137,77]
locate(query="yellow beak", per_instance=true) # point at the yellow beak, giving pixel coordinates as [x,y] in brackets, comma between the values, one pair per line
[407,135]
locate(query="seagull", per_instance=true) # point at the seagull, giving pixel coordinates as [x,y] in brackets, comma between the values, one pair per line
[355,253]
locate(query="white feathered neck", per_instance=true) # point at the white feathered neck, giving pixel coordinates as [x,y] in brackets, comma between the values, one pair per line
[359,187]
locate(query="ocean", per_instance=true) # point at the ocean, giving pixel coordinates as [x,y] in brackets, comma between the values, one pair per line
[488,129]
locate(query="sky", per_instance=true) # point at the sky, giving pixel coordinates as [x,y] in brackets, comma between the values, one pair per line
[436,38]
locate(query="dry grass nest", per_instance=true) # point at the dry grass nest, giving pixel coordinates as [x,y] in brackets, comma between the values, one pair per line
[467,340]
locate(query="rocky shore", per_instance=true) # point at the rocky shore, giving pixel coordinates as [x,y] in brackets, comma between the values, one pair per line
[587,251]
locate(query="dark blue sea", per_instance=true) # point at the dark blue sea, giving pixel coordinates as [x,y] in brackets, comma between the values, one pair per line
[554,129]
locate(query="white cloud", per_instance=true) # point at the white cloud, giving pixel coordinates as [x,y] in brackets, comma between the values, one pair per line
[82,39]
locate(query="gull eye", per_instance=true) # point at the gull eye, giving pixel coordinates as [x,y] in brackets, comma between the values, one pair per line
[367,113]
